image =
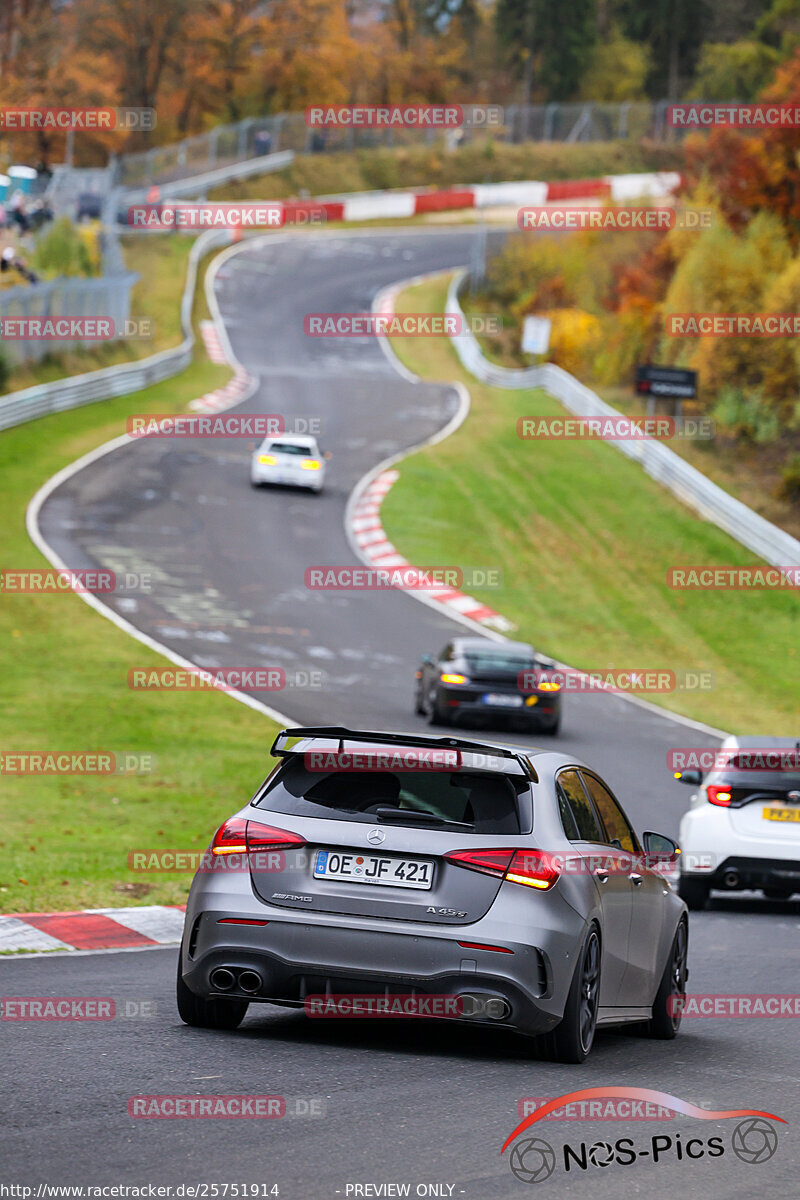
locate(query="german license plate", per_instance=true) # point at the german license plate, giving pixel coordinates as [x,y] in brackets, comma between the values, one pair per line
[374,868]
[781,814]
[498,700]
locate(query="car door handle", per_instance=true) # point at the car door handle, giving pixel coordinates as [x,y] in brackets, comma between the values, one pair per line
[601,874]
[637,879]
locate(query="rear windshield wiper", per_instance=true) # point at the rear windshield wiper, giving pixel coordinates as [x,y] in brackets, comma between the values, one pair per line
[389,815]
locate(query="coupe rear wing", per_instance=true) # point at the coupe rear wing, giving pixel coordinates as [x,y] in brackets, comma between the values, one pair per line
[451,752]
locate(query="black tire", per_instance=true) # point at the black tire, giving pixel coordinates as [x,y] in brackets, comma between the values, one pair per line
[552,729]
[208,1014]
[435,715]
[572,1038]
[694,892]
[666,1020]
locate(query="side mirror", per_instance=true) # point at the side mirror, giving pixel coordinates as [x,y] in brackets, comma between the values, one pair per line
[691,777]
[660,851]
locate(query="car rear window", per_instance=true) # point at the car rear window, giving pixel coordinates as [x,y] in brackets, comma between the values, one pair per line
[744,784]
[487,802]
[500,662]
[291,448]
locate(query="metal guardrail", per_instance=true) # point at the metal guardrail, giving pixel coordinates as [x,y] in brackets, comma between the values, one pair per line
[74,391]
[107,296]
[690,486]
[255,136]
[196,185]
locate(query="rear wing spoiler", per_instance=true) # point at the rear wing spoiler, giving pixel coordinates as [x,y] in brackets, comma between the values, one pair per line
[455,746]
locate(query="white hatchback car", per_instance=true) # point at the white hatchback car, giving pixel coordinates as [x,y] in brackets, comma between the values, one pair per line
[295,461]
[742,830]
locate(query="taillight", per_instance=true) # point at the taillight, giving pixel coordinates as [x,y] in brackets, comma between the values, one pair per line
[452,677]
[310,464]
[529,867]
[231,838]
[238,836]
[488,862]
[719,795]
[533,868]
[268,460]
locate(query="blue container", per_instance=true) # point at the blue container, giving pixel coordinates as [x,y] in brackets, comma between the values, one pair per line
[21,180]
[4,184]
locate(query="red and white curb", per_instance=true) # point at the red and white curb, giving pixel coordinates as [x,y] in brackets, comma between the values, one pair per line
[93,929]
[213,343]
[225,397]
[239,386]
[376,549]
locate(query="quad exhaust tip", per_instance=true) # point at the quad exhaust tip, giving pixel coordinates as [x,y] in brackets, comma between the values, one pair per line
[222,980]
[250,981]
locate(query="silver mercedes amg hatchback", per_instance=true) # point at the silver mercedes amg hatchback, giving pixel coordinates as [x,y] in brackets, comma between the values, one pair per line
[394,874]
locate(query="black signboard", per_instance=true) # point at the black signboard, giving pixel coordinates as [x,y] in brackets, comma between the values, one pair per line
[666,381]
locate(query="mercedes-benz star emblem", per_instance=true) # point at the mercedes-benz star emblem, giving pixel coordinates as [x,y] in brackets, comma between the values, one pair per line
[375,837]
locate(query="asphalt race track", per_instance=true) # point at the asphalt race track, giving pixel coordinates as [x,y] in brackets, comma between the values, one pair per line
[404,1103]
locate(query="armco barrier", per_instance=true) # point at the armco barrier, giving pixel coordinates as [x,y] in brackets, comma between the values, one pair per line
[77,390]
[574,189]
[376,205]
[441,201]
[531,192]
[637,187]
[772,544]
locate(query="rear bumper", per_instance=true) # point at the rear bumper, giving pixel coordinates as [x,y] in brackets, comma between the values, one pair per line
[741,873]
[459,702]
[304,956]
[287,478]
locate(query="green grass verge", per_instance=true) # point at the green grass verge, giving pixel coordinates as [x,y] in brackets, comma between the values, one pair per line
[584,540]
[428,166]
[65,839]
